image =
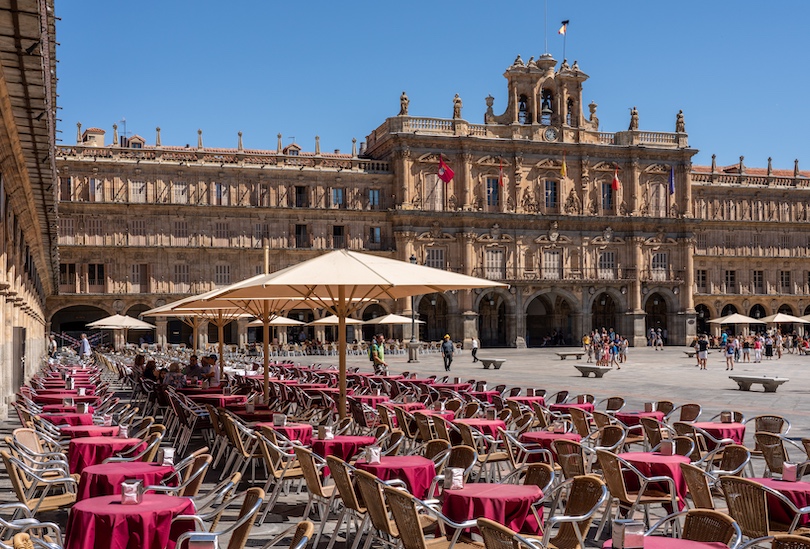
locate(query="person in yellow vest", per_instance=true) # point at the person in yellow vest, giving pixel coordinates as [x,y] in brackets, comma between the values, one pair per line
[378,355]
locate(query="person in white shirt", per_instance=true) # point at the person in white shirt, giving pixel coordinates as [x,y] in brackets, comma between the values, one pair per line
[474,351]
[84,347]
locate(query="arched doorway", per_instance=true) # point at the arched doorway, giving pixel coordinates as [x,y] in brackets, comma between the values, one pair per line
[728,310]
[371,312]
[786,327]
[492,321]
[656,309]
[603,312]
[549,323]
[70,323]
[139,336]
[230,333]
[178,332]
[757,311]
[704,315]
[433,310]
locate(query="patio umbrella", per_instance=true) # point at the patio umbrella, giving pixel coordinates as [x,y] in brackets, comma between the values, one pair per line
[782,318]
[333,320]
[278,322]
[392,319]
[341,282]
[736,318]
[121,322]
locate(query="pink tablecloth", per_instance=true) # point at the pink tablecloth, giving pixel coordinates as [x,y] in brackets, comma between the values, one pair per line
[507,504]
[485,396]
[59,398]
[655,542]
[407,406]
[88,390]
[103,522]
[81,431]
[218,400]
[372,400]
[342,446]
[487,426]
[62,409]
[653,464]
[302,432]
[416,471]
[634,418]
[733,431]
[265,415]
[105,479]
[587,406]
[188,391]
[69,419]
[545,438]
[528,401]
[87,451]
[452,386]
[796,492]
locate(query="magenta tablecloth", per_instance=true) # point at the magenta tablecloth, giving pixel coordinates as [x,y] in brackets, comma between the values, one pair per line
[416,471]
[653,464]
[587,406]
[102,522]
[62,409]
[655,542]
[302,432]
[105,479]
[545,438]
[372,400]
[634,418]
[342,446]
[507,504]
[528,401]
[487,426]
[81,431]
[407,406]
[217,399]
[264,415]
[733,431]
[69,419]
[58,398]
[485,396]
[84,452]
[797,492]
[446,414]
[88,390]
[452,386]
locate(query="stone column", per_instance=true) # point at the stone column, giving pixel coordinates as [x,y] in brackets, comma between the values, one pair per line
[683,187]
[636,315]
[242,332]
[634,188]
[466,182]
[161,325]
[470,326]
[468,256]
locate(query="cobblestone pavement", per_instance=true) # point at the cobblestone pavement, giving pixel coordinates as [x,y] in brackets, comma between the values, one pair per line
[647,376]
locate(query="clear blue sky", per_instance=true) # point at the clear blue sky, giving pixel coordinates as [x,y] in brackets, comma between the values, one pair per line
[336,69]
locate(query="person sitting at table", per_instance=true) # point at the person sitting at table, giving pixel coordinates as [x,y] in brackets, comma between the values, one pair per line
[194,368]
[211,370]
[176,378]
[151,372]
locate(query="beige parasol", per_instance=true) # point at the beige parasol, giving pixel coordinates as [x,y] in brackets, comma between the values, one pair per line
[782,318]
[120,322]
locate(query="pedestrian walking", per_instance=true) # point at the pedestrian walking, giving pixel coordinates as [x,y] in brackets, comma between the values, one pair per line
[447,352]
[474,351]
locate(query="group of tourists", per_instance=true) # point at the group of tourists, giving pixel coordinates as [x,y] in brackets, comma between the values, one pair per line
[741,348]
[605,348]
[178,375]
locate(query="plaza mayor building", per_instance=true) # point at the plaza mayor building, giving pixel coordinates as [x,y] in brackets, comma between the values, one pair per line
[590,229]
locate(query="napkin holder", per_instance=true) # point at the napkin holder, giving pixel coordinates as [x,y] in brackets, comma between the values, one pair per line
[725,417]
[530,392]
[406,399]
[226,390]
[490,413]
[250,407]
[166,456]
[260,399]
[202,540]
[108,420]
[649,406]
[67,402]
[123,431]
[131,492]
[279,420]
[70,383]
[373,455]
[580,399]
[377,391]
[483,387]
[453,478]
[325,433]
[82,391]
[82,408]
[456,380]
[628,534]
[666,448]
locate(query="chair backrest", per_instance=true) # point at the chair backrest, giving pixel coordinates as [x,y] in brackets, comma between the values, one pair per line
[697,481]
[404,422]
[735,458]
[614,404]
[790,541]
[462,457]
[611,436]
[684,446]
[453,405]
[496,536]
[587,493]
[442,430]
[689,412]
[403,508]
[770,424]
[601,419]
[467,436]
[250,508]
[706,525]
[392,443]
[434,447]
[664,406]
[385,417]
[195,474]
[570,457]
[581,421]
[303,533]
[773,451]
[339,470]
[540,475]
[747,504]
[306,460]
[470,409]
[372,494]
[424,425]
[612,472]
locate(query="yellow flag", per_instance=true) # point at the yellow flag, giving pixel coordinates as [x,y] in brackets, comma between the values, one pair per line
[564,169]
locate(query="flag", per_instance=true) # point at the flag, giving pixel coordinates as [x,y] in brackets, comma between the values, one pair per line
[445,173]
[616,184]
[500,174]
[564,169]
[563,28]
[671,180]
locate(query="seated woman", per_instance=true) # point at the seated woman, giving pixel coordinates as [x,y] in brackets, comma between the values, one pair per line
[176,378]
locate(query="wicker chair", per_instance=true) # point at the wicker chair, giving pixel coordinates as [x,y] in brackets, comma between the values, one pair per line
[192,477]
[685,412]
[784,541]
[582,421]
[460,457]
[301,534]
[520,453]
[612,404]
[697,481]
[704,526]
[498,536]
[282,467]
[585,495]
[240,530]
[352,507]
[775,452]
[665,406]
[570,457]
[490,455]
[319,495]
[747,504]
[424,425]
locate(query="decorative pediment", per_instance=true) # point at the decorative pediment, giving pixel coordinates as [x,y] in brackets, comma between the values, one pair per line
[657,169]
[435,233]
[549,164]
[495,235]
[607,237]
[493,161]
[430,158]
[604,166]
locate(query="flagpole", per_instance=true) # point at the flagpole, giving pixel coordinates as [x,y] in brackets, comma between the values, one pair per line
[545,26]
[565,38]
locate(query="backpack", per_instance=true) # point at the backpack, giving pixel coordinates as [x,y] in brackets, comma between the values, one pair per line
[371,352]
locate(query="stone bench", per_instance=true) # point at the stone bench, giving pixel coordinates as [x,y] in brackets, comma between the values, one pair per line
[770,383]
[565,354]
[496,362]
[690,354]
[588,369]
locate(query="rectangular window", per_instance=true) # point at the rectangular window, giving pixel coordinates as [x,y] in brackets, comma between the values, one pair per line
[659,266]
[434,193]
[784,241]
[606,267]
[65,188]
[261,231]
[179,192]
[552,265]
[180,236]
[374,199]
[66,233]
[181,279]
[301,197]
[137,232]
[494,263]
[607,197]
[221,233]
[95,232]
[301,236]
[784,282]
[758,282]
[434,257]
[338,197]
[731,282]
[374,235]
[700,242]
[222,275]
[552,196]
[493,192]
[96,187]
[756,241]
[701,281]
[138,279]
[95,274]
[67,275]
[729,240]
[137,192]
[338,237]
[221,194]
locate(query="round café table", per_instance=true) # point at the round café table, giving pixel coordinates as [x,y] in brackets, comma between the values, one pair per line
[446,414]
[194,390]
[634,418]
[217,399]
[507,504]
[69,419]
[563,408]
[544,439]
[653,464]
[416,471]
[104,523]
[457,387]
[719,430]
[528,400]
[105,479]
[487,426]
[797,492]
[83,452]
[656,542]
[485,396]
[302,432]
[264,415]
[407,406]
[341,446]
[81,431]
[62,409]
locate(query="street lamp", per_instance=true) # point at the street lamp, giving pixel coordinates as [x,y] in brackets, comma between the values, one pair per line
[413,346]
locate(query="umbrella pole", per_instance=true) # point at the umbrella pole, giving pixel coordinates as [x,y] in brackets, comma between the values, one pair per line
[341,311]
[266,350]
[221,336]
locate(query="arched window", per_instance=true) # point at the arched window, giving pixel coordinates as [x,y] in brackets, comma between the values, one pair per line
[546,109]
[658,200]
[570,118]
[524,116]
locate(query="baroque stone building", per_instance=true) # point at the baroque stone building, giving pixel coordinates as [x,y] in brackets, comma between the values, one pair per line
[590,229]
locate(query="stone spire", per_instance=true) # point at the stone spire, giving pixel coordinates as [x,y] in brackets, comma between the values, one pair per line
[239,145]
[714,163]
[115,135]
[796,168]
[199,139]
[354,147]
[742,165]
[770,168]
[78,132]
[279,148]
[157,137]
[317,144]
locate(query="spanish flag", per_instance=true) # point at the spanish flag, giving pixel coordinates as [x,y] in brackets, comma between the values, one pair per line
[564,169]
[616,184]
[563,28]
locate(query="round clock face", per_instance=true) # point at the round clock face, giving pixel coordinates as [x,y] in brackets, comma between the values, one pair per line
[551,134]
